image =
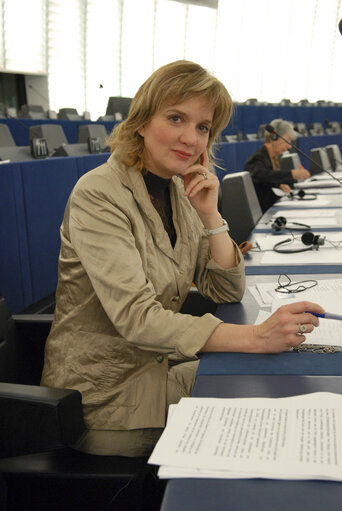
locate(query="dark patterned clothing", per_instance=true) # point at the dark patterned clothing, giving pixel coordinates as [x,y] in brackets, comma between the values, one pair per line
[265,178]
[159,192]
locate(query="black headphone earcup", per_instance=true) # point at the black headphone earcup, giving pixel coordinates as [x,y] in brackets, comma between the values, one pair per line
[279,223]
[308,238]
[274,136]
[301,194]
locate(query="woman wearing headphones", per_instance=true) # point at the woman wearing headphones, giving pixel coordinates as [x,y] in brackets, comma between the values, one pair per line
[264,165]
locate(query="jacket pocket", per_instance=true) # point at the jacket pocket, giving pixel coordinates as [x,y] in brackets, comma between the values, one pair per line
[102,367]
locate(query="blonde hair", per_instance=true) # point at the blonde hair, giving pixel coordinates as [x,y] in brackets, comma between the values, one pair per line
[170,84]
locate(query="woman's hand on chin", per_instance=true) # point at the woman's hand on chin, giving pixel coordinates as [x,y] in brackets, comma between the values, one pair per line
[201,187]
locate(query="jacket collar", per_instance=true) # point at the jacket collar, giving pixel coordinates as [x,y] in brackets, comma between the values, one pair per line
[133,180]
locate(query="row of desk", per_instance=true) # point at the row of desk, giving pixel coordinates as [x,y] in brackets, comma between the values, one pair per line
[233,156]
[20,128]
[33,195]
[235,375]
[246,118]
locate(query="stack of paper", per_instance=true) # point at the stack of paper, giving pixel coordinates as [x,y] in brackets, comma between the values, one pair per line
[282,438]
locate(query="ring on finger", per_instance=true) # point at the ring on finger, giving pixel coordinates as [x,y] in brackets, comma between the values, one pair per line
[302,329]
[205,175]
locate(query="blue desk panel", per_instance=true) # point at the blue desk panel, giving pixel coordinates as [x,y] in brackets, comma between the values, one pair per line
[46,189]
[84,163]
[33,195]
[251,385]
[15,285]
[231,156]
[251,495]
[290,363]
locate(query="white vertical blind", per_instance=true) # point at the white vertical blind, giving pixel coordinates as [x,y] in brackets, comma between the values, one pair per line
[103,42]
[94,49]
[66,54]
[170,29]
[335,88]
[23,41]
[201,36]
[136,44]
[272,51]
[2,37]
[321,60]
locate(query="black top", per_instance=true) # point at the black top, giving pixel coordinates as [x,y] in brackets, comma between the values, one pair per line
[159,192]
[259,164]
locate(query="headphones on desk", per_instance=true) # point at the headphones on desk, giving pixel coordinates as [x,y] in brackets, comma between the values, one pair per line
[280,222]
[311,240]
[301,195]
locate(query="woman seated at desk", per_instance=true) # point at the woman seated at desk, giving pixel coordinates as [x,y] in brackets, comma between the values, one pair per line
[264,165]
[137,231]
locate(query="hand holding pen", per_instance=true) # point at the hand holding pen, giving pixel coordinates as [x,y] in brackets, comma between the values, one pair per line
[326,315]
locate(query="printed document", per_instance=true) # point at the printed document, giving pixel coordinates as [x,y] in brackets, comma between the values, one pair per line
[294,437]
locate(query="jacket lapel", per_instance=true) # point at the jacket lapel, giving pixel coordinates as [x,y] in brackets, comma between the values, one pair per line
[132,179]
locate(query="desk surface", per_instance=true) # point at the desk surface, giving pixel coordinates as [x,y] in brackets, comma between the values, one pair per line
[294,363]
[246,311]
[263,494]
[265,222]
[293,263]
[241,375]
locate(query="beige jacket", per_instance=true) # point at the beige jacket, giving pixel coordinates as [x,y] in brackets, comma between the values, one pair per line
[121,285]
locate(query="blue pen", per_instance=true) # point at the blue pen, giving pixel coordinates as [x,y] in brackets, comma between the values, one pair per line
[326,315]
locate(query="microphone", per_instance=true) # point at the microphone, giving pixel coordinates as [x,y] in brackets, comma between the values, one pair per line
[271,130]
[38,146]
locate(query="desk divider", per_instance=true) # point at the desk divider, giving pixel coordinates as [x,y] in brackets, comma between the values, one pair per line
[33,196]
